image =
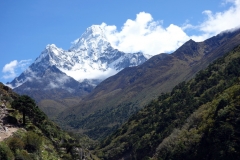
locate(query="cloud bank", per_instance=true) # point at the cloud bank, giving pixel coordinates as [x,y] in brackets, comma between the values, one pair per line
[150,37]
[11,69]
[146,35]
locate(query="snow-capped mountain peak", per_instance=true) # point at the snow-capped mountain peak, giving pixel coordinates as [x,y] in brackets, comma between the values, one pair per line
[90,58]
[93,41]
[51,51]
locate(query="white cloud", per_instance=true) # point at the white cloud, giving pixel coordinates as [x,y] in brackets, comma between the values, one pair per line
[62,80]
[220,21]
[146,35]
[52,85]
[11,69]
[81,75]
[150,37]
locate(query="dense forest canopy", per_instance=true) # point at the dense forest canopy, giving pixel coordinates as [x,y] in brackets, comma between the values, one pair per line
[198,119]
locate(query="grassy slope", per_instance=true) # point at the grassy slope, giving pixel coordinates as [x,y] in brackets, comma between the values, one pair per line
[53,107]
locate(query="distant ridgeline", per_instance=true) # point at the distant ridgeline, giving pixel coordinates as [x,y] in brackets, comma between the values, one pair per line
[198,119]
[35,136]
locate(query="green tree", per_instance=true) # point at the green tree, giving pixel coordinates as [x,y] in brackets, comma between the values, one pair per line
[26,105]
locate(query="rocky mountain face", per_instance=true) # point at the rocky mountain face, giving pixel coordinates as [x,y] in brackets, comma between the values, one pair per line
[6,95]
[119,96]
[51,83]
[58,73]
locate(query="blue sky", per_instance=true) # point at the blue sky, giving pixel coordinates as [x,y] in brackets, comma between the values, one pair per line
[26,27]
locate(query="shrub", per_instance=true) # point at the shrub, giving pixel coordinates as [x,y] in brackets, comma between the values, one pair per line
[15,143]
[33,142]
[23,155]
[5,152]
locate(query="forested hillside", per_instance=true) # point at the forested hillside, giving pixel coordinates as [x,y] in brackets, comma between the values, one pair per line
[114,100]
[198,119]
[26,133]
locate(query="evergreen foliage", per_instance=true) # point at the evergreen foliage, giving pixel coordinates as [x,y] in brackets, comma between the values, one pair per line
[5,152]
[37,137]
[199,119]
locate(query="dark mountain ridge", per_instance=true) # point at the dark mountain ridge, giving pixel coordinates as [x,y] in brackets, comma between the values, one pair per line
[198,119]
[119,96]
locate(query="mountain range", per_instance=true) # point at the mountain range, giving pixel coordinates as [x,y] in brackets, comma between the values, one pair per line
[89,60]
[62,74]
[73,89]
[115,99]
[183,105]
[197,119]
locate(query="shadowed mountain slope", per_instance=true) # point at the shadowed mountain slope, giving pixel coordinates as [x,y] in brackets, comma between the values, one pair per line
[54,84]
[118,97]
[197,120]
